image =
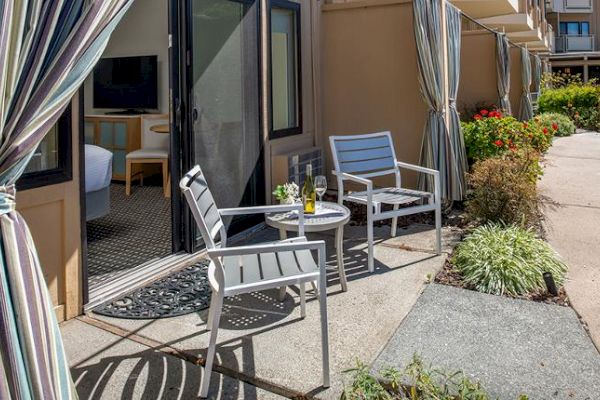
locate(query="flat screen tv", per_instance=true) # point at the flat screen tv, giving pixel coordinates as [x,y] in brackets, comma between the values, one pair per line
[126,82]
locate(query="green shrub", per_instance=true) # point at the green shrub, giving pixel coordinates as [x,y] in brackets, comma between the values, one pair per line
[487,137]
[503,189]
[415,382]
[499,259]
[568,99]
[559,124]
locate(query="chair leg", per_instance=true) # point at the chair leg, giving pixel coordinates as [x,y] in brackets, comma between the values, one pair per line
[128,177]
[370,262]
[281,294]
[438,229]
[302,300]
[324,328]
[165,176]
[211,312]
[212,344]
[394,222]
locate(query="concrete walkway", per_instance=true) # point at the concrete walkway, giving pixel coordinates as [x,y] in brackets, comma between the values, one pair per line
[511,346]
[572,179]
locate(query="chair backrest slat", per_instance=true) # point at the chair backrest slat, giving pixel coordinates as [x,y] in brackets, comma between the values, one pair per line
[202,204]
[364,154]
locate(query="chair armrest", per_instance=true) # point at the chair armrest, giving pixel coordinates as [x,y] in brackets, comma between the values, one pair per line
[261,209]
[268,248]
[354,178]
[418,168]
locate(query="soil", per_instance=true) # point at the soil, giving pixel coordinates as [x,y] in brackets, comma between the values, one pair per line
[449,276]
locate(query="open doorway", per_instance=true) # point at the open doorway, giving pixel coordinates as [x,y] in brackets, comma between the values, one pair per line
[127,151]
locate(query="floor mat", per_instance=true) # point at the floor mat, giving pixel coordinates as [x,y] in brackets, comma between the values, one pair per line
[183,292]
[137,230]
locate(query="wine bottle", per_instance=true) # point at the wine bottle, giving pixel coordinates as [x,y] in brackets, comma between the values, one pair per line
[309,195]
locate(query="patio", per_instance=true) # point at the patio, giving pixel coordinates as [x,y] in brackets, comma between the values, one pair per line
[262,342]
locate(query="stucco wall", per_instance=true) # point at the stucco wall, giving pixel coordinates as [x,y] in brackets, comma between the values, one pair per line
[478,77]
[369,77]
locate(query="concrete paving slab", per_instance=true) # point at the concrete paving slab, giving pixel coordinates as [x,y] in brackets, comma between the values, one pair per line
[267,340]
[106,366]
[510,346]
[572,178]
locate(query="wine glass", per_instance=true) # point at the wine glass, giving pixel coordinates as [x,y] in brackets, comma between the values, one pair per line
[320,188]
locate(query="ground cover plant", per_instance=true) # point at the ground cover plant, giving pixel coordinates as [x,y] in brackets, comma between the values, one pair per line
[500,259]
[415,382]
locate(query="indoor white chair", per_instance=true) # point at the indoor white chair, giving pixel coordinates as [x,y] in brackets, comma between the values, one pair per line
[246,269]
[154,150]
[358,158]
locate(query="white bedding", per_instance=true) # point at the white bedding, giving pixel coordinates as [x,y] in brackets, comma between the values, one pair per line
[98,168]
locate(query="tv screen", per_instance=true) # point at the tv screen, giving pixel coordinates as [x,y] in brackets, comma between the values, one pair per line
[126,82]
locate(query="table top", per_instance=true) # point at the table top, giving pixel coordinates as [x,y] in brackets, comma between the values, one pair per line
[328,216]
[160,128]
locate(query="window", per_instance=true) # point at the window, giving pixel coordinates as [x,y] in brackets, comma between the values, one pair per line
[574,28]
[51,162]
[286,99]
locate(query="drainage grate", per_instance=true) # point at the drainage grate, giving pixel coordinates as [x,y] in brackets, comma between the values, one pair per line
[183,292]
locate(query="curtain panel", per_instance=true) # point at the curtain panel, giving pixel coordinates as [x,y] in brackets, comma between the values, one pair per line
[47,48]
[453,27]
[503,72]
[537,74]
[526,112]
[436,149]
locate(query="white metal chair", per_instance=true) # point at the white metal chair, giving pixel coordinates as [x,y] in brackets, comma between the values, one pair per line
[154,150]
[246,269]
[358,158]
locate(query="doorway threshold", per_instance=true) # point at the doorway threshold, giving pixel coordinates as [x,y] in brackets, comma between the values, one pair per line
[140,276]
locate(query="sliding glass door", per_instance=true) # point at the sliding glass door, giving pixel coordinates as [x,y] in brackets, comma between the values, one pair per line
[224,97]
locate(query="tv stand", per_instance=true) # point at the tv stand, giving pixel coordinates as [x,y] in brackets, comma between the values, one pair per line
[129,111]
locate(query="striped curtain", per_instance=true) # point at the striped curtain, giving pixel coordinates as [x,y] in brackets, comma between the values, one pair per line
[453,28]
[503,72]
[537,73]
[436,149]
[526,112]
[47,48]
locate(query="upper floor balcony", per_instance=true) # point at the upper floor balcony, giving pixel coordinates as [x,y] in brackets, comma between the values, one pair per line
[487,8]
[571,6]
[573,43]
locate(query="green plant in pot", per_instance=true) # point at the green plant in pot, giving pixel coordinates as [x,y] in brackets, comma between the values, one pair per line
[288,193]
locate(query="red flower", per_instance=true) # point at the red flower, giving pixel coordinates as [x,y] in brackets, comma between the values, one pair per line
[492,114]
[477,117]
[499,143]
[545,130]
[484,112]
[555,126]
[576,114]
[525,125]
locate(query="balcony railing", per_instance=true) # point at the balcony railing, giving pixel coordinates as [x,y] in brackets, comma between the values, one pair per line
[577,4]
[570,43]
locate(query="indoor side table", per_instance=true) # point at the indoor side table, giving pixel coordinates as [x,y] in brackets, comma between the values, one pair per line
[328,216]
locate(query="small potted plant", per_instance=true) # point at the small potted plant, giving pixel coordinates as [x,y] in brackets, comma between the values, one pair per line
[288,193]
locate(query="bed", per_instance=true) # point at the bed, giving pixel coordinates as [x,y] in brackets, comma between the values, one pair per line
[98,172]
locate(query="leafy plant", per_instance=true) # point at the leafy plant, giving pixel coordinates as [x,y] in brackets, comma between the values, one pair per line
[288,192]
[415,382]
[487,136]
[579,102]
[559,124]
[503,189]
[500,259]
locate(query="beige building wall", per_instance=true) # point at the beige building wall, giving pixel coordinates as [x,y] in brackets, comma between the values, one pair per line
[478,77]
[369,76]
[53,215]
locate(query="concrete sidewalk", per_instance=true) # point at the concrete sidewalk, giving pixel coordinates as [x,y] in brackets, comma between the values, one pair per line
[572,179]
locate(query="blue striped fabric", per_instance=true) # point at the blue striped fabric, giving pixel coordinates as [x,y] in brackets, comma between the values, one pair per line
[47,48]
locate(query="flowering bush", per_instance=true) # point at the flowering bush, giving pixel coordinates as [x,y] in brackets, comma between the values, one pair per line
[579,102]
[560,124]
[489,136]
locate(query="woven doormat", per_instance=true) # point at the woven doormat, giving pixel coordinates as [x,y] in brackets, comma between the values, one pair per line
[183,292]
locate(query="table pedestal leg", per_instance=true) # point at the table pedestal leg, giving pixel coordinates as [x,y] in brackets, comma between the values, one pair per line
[339,245]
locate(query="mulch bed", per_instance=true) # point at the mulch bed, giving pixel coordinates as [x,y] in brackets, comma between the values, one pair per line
[449,276]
